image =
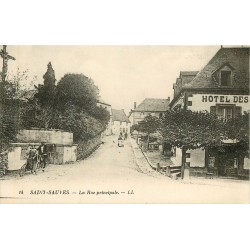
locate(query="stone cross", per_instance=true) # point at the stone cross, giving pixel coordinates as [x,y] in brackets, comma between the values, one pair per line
[4,54]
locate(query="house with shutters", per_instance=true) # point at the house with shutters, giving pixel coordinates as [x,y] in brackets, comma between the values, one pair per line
[149,106]
[222,88]
[120,122]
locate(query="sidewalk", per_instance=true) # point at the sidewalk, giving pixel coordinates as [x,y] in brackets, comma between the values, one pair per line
[147,164]
[141,161]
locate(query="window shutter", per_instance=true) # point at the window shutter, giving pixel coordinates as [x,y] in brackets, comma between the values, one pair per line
[237,111]
[213,110]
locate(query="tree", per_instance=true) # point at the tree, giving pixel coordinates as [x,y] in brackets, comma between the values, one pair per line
[191,130]
[134,127]
[101,114]
[238,128]
[49,76]
[75,107]
[80,123]
[149,125]
[13,107]
[77,90]
[9,114]
[43,105]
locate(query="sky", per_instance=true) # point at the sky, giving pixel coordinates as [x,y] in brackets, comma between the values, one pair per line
[124,74]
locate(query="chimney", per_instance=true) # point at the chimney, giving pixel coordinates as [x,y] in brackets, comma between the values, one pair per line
[134,105]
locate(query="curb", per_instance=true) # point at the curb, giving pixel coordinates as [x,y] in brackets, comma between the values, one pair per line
[148,169]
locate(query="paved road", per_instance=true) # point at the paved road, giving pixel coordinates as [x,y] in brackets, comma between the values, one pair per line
[112,175]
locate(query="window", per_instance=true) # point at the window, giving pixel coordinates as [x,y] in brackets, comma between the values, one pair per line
[120,123]
[160,115]
[225,78]
[226,112]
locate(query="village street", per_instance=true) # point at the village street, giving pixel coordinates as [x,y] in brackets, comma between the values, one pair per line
[115,174]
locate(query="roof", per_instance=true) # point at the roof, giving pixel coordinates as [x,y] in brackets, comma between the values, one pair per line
[188,73]
[119,115]
[153,105]
[186,77]
[236,58]
[103,102]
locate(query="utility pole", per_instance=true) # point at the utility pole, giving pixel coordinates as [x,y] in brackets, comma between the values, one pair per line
[4,54]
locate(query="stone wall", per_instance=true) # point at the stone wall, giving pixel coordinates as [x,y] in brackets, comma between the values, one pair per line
[57,154]
[48,136]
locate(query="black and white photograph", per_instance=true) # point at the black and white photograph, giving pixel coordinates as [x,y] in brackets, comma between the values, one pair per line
[124,124]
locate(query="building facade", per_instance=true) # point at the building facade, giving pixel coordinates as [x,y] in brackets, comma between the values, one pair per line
[120,122]
[222,88]
[150,106]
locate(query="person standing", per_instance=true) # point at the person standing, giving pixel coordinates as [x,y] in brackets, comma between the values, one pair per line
[32,159]
[42,152]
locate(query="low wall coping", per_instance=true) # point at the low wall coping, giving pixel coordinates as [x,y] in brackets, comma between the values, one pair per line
[19,144]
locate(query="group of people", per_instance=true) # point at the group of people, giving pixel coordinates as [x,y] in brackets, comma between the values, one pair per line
[121,139]
[123,136]
[36,155]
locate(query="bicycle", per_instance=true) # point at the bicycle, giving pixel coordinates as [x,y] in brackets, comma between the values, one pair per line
[41,161]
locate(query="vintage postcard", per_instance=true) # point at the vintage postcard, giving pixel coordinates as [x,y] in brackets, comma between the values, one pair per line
[124,124]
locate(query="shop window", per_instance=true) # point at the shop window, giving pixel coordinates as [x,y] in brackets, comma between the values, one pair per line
[225,78]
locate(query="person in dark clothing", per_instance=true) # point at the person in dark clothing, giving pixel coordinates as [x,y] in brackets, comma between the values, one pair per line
[42,153]
[126,136]
[120,140]
[32,159]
